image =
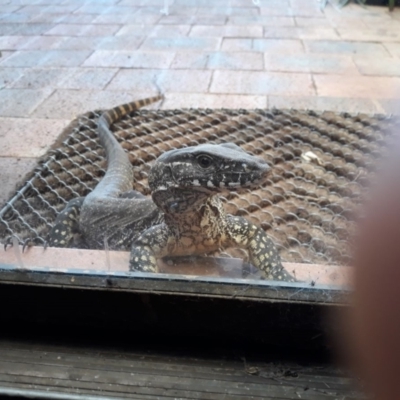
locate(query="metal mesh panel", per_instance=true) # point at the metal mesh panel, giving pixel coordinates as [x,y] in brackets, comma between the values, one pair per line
[321,164]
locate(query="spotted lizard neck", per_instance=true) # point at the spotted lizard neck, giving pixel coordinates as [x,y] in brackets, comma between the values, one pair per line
[187,211]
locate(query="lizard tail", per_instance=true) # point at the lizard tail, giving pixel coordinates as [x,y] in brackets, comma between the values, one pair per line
[107,139]
[119,112]
[118,178]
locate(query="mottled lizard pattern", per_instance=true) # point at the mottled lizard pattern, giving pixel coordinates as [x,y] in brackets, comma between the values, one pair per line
[185,215]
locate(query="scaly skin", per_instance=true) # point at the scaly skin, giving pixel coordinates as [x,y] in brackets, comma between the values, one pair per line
[112,212]
[185,217]
[185,184]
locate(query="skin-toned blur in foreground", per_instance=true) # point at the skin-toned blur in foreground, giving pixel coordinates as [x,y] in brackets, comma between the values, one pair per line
[375,317]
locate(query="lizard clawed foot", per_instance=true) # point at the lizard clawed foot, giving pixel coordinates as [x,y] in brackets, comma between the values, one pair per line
[142,262]
[8,242]
[27,243]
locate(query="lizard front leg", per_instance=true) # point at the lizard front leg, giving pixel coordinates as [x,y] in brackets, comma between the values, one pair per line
[262,251]
[66,224]
[150,245]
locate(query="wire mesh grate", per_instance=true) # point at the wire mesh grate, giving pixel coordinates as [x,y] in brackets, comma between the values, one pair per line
[321,165]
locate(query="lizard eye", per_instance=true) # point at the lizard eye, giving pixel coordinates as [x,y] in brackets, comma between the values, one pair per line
[204,161]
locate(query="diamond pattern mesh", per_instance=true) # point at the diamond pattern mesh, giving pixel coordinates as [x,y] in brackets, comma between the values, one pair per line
[322,163]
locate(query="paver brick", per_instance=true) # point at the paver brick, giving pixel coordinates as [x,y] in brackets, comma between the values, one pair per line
[8,8]
[16,18]
[126,19]
[237,60]
[311,22]
[381,22]
[11,42]
[51,19]
[318,63]
[323,103]
[7,29]
[66,78]
[227,10]
[277,46]
[150,19]
[42,43]
[38,78]
[210,20]
[23,137]
[345,22]
[76,18]
[275,9]
[61,43]
[114,43]
[25,29]
[48,8]
[13,172]
[227,31]
[306,9]
[123,2]
[30,29]
[371,35]
[392,48]
[372,87]
[179,19]
[182,43]
[172,10]
[169,31]
[345,47]
[9,75]
[92,8]
[129,59]
[262,20]
[344,19]
[117,9]
[200,3]
[245,3]
[233,44]
[265,83]
[5,54]
[148,2]
[207,100]
[169,80]
[48,58]
[190,60]
[67,104]
[21,102]
[383,66]
[292,32]
[83,30]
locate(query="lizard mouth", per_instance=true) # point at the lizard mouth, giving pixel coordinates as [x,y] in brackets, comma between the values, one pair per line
[250,179]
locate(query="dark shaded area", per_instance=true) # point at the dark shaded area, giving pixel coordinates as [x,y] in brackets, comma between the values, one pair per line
[132,320]
[381,2]
[144,346]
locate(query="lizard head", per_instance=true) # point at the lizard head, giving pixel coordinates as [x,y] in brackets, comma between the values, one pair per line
[208,168]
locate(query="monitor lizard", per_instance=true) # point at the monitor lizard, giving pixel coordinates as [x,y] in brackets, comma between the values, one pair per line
[184,217]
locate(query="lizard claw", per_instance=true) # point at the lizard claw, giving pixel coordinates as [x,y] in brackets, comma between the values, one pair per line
[8,242]
[26,243]
[29,242]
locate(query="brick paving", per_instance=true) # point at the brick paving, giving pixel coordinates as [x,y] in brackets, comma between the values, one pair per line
[61,58]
